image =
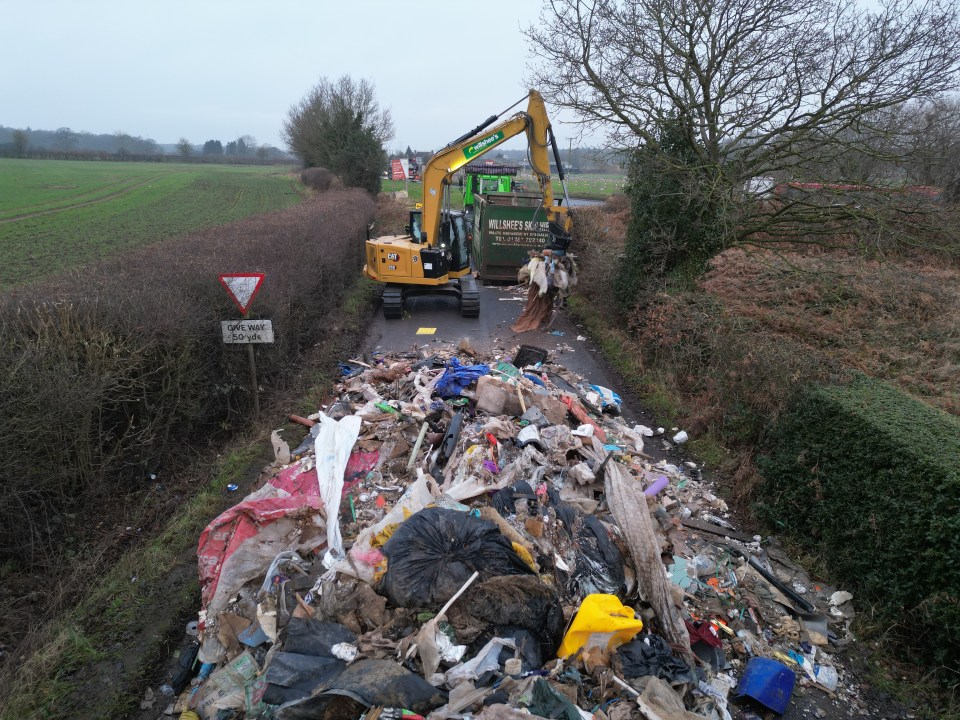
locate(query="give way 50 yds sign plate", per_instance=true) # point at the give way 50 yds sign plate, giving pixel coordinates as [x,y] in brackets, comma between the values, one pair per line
[242,287]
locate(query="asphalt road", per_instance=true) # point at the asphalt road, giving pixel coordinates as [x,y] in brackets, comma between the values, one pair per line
[438,322]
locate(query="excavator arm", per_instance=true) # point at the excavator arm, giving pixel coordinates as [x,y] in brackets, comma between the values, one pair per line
[483,139]
[419,263]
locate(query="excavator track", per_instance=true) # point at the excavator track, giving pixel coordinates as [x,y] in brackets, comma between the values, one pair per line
[392,302]
[469,297]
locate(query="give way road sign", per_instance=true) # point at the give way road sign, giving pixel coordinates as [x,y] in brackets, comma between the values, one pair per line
[243,287]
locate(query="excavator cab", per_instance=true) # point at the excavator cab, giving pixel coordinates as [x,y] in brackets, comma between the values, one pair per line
[455,236]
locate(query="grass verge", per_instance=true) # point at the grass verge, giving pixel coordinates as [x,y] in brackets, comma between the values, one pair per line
[652,389]
[91,660]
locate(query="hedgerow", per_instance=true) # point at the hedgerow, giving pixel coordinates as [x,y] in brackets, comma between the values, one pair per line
[867,477]
[112,372]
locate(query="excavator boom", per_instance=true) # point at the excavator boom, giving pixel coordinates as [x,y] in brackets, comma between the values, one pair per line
[470,147]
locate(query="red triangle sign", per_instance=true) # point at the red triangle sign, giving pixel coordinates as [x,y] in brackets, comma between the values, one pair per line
[243,288]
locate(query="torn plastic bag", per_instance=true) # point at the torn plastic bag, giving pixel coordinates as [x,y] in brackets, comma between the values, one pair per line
[226,687]
[527,650]
[435,551]
[457,377]
[308,442]
[609,400]
[334,443]
[651,655]
[291,676]
[488,658]
[505,501]
[599,566]
[307,636]
[548,703]
[239,544]
[659,700]
[371,683]
[359,464]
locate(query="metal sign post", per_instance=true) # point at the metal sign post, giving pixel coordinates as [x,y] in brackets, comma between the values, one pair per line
[242,289]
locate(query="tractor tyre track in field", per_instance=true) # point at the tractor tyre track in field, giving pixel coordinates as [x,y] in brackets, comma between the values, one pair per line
[122,191]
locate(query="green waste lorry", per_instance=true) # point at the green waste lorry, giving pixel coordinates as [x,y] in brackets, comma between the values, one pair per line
[483,178]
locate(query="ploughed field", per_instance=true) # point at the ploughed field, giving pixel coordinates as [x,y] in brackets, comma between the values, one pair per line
[60,214]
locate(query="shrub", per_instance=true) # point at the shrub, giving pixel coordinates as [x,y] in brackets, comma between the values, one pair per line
[679,218]
[112,371]
[393,216]
[868,477]
[318,178]
[599,246]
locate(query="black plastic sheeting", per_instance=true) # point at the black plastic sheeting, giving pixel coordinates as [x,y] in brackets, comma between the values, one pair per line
[312,637]
[651,655]
[548,703]
[291,676]
[435,551]
[599,562]
[370,683]
[307,664]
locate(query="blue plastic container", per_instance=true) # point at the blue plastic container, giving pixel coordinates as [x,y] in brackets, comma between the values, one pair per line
[768,682]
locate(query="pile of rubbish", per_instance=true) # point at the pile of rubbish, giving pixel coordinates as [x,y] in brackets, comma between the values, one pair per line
[490,539]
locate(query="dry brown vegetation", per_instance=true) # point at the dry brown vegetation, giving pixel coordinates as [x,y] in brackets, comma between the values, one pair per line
[897,319]
[762,322]
[392,216]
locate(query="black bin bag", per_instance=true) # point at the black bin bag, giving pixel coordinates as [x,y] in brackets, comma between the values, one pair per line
[435,551]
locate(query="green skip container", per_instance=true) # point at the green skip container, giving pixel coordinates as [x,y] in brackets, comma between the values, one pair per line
[506,226]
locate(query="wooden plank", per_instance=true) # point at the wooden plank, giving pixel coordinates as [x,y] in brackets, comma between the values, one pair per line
[715,529]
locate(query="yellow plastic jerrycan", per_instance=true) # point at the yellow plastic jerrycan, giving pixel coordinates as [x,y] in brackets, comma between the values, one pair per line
[602,621]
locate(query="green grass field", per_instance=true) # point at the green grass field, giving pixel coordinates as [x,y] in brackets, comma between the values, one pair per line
[58,214]
[590,186]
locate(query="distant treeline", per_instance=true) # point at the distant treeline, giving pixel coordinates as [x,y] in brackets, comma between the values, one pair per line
[42,154]
[65,144]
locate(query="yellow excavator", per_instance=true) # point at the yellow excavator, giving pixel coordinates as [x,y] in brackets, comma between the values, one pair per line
[434,257]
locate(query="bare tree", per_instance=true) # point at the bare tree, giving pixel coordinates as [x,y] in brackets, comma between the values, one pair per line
[931,133]
[184,147]
[121,141]
[748,88]
[66,139]
[20,142]
[263,151]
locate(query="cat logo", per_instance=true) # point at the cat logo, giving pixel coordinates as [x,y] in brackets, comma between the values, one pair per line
[393,256]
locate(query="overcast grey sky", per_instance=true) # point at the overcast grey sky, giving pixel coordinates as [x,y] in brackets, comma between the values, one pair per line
[212,69]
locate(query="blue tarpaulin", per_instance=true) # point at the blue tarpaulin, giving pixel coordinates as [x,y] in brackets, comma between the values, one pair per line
[457,377]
